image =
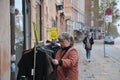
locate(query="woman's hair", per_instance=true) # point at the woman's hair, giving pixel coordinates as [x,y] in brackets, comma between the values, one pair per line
[66,36]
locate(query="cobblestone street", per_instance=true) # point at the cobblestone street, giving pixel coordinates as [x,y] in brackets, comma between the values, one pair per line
[99,68]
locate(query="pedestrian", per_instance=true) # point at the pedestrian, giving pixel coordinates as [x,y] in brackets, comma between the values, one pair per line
[66,58]
[88,42]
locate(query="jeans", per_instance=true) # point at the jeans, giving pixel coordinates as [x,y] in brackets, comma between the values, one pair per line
[88,54]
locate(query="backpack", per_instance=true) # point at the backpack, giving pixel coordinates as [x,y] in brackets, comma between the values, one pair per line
[88,45]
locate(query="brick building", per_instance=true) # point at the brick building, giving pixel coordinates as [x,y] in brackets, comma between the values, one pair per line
[16,19]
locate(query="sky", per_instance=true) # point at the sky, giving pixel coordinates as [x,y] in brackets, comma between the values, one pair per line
[18,5]
[118,27]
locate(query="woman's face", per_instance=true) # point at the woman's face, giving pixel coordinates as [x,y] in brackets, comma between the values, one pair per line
[64,43]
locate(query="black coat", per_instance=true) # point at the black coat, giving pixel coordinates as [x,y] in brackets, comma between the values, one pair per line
[85,42]
[43,68]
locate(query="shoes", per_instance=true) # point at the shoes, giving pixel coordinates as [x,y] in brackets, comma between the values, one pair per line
[89,60]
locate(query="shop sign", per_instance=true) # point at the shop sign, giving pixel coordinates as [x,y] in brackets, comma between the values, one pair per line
[53,33]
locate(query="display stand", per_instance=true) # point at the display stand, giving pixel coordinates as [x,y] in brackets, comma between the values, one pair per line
[33,71]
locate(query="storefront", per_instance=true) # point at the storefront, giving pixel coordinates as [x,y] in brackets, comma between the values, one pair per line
[20,31]
[22,14]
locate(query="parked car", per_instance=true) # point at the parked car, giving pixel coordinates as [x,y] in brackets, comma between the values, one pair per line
[109,40]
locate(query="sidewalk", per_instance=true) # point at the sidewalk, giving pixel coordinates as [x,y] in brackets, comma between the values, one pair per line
[99,68]
[117,42]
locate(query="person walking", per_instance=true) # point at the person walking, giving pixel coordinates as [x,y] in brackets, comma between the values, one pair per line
[66,58]
[88,42]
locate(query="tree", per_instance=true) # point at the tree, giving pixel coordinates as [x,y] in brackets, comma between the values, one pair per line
[115,12]
[109,4]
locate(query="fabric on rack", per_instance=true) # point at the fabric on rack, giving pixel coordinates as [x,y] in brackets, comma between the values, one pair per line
[43,65]
[53,47]
[45,50]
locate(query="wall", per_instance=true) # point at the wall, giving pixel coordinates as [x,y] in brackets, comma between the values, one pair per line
[5,48]
[87,12]
[33,19]
[82,11]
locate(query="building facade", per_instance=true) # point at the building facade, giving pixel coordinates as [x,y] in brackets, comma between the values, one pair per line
[75,17]
[17,27]
[91,13]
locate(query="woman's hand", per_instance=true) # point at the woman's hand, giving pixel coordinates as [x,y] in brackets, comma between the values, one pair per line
[55,61]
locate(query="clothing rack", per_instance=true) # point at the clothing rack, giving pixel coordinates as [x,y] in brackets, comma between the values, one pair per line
[33,71]
[35,52]
[32,58]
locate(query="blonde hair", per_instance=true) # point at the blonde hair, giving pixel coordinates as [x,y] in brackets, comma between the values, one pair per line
[66,36]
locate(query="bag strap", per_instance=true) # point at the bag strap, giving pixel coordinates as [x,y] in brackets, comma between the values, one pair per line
[65,52]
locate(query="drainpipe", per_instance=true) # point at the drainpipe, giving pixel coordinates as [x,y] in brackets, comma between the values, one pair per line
[40,22]
[24,21]
[12,24]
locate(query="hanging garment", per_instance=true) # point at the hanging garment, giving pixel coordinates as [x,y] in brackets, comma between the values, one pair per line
[43,67]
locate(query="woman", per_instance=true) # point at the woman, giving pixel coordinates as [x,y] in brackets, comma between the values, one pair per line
[88,41]
[66,58]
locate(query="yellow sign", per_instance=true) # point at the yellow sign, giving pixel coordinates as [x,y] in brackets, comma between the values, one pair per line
[53,33]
